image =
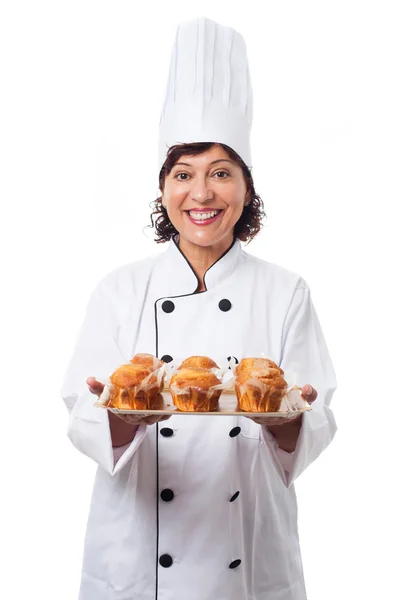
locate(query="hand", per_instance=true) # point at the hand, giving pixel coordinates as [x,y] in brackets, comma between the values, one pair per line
[96,388]
[140,419]
[308,393]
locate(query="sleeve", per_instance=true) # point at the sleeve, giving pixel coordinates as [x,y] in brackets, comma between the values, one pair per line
[305,353]
[96,354]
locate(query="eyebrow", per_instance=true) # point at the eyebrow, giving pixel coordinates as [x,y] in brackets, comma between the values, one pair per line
[212,163]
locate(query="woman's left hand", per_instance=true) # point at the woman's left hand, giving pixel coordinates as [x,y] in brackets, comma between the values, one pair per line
[308,393]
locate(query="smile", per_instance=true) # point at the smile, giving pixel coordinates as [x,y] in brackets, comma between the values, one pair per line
[203,218]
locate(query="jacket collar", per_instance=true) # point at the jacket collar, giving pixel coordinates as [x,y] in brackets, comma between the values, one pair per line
[184,278]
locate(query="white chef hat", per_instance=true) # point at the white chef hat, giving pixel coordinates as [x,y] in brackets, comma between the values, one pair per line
[209,94]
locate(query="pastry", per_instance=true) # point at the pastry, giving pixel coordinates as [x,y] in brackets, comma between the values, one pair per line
[122,398]
[147,360]
[257,363]
[134,387]
[259,385]
[201,362]
[266,373]
[191,390]
[130,375]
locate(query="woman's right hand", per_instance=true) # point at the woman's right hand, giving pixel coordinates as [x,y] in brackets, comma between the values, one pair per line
[96,388]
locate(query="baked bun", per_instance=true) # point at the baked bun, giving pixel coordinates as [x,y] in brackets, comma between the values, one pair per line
[266,373]
[201,362]
[125,399]
[130,375]
[134,387]
[256,363]
[122,398]
[259,385]
[197,377]
[147,360]
[191,390]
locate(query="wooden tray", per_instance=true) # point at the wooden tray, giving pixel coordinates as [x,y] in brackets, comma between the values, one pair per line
[228,406]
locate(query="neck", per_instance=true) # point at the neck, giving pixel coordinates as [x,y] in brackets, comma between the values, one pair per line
[201,258]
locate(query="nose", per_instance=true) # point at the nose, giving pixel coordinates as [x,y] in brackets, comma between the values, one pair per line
[200,192]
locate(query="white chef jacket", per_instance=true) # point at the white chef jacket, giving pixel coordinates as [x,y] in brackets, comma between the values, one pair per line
[197,507]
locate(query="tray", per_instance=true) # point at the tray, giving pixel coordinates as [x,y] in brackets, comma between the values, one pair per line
[292,405]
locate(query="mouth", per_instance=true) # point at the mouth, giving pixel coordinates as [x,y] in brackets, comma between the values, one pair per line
[204,217]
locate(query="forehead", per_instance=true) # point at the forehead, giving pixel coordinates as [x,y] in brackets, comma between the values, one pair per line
[213,155]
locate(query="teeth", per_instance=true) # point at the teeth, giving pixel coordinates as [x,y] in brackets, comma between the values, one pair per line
[198,216]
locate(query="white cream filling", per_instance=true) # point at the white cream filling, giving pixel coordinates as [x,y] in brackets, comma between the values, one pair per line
[202,216]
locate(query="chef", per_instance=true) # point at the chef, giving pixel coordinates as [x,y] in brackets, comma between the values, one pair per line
[199,507]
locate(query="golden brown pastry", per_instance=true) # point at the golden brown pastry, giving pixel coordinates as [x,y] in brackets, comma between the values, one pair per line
[256,363]
[200,362]
[125,399]
[259,385]
[122,398]
[130,375]
[266,373]
[148,360]
[191,390]
[124,393]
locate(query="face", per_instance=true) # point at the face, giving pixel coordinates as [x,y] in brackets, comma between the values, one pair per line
[205,196]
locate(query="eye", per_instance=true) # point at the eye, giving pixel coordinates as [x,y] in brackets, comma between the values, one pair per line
[223,173]
[178,175]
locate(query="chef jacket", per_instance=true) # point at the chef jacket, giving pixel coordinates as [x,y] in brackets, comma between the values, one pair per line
[197,507]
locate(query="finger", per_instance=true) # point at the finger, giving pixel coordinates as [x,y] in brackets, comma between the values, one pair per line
[151,420]
[148,420]
[265,420]
[128,419]
[309,393]
[134,419]
[94,385]
[274,420]
[95,391]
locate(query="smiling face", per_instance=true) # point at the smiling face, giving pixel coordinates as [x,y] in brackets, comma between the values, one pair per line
[205,196]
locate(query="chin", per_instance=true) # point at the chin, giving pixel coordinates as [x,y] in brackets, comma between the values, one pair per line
[206,240]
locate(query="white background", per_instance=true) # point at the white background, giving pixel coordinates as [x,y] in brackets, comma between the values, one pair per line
[82,84]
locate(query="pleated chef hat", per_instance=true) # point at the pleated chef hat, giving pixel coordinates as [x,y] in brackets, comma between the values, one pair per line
[209,94]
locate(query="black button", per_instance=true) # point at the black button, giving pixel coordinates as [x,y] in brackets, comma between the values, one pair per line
[235,360]
[167,495]
[235,431]
[166,432]
[235,564]
[224,305]
[168,306]
[167,358]
[166,561]
[236,495]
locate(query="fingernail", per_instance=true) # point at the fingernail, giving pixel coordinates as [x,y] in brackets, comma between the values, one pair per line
[309,391]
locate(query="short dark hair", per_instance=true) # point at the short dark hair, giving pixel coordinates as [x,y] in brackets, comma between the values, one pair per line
[247,226]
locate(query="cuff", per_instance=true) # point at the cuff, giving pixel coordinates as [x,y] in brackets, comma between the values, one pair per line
[122,454]
[283,459]
[286,458]
[119,451]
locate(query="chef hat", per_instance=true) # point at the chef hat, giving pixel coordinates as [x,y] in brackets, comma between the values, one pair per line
[209,94]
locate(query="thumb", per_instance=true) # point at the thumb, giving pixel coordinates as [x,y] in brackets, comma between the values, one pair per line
[94,385]
[309,393]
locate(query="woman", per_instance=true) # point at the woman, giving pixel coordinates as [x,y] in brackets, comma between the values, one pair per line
[200,507]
